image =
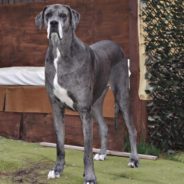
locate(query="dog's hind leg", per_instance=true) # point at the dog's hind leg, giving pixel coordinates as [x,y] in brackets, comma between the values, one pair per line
[97,111]
[120,86]
[58,114]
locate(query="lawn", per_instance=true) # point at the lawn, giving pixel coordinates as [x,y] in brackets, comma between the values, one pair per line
[22,162]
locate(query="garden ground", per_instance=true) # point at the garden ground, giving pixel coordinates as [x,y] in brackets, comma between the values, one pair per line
[29,163]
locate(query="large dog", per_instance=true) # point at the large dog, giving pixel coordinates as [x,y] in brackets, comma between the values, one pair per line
[77,76]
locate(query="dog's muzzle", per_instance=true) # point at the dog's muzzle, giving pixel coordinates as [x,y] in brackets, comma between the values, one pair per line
[54,28]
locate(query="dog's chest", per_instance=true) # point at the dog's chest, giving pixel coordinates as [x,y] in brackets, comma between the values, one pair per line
[60,92]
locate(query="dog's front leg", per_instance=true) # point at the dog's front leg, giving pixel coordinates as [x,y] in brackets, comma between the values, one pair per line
[58,114]
[89,174]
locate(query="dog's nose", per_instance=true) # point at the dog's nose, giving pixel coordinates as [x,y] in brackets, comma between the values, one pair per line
[54,23]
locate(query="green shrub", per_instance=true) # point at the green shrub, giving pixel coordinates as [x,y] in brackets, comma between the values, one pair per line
[164,27]
[143,148]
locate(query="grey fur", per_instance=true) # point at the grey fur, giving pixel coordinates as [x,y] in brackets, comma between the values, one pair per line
[84,71]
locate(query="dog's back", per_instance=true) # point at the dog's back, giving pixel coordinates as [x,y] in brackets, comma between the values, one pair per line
[109,50]
[108,56]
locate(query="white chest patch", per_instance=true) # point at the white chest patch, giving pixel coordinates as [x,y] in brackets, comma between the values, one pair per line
[59,92]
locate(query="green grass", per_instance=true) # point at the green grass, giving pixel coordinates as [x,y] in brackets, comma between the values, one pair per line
[22,162]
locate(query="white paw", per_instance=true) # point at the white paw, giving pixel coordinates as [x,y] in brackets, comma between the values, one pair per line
[52,175]
[90,183]
[131,164]
[99,157]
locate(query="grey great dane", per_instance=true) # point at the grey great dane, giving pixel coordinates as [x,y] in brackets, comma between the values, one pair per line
[77,76]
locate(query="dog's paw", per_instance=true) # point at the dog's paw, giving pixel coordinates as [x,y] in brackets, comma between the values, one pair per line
[53,175]
[100,157]
[90,182]
[90,178]
[133,163]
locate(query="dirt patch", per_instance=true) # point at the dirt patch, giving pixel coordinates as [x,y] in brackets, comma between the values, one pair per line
[5,174]
[34,174]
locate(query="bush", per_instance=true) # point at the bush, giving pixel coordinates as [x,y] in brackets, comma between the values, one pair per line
[142,148]
[164,29]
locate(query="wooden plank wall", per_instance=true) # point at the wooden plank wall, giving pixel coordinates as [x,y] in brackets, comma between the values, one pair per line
[23,45]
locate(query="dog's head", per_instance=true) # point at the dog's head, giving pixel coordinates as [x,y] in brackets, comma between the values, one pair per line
[57,19]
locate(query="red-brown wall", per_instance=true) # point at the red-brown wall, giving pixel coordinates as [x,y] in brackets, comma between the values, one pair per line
[23,45]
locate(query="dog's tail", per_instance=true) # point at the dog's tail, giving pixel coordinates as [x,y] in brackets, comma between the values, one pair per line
[116,114]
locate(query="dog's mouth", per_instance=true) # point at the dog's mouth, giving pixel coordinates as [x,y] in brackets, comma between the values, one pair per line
[54,35]
[55,38]
[55,31]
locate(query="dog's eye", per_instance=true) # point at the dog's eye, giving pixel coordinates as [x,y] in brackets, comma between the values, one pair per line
[62,15]
[49,14]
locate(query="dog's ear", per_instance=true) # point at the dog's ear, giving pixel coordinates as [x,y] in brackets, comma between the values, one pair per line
[39,19]
[75,17]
